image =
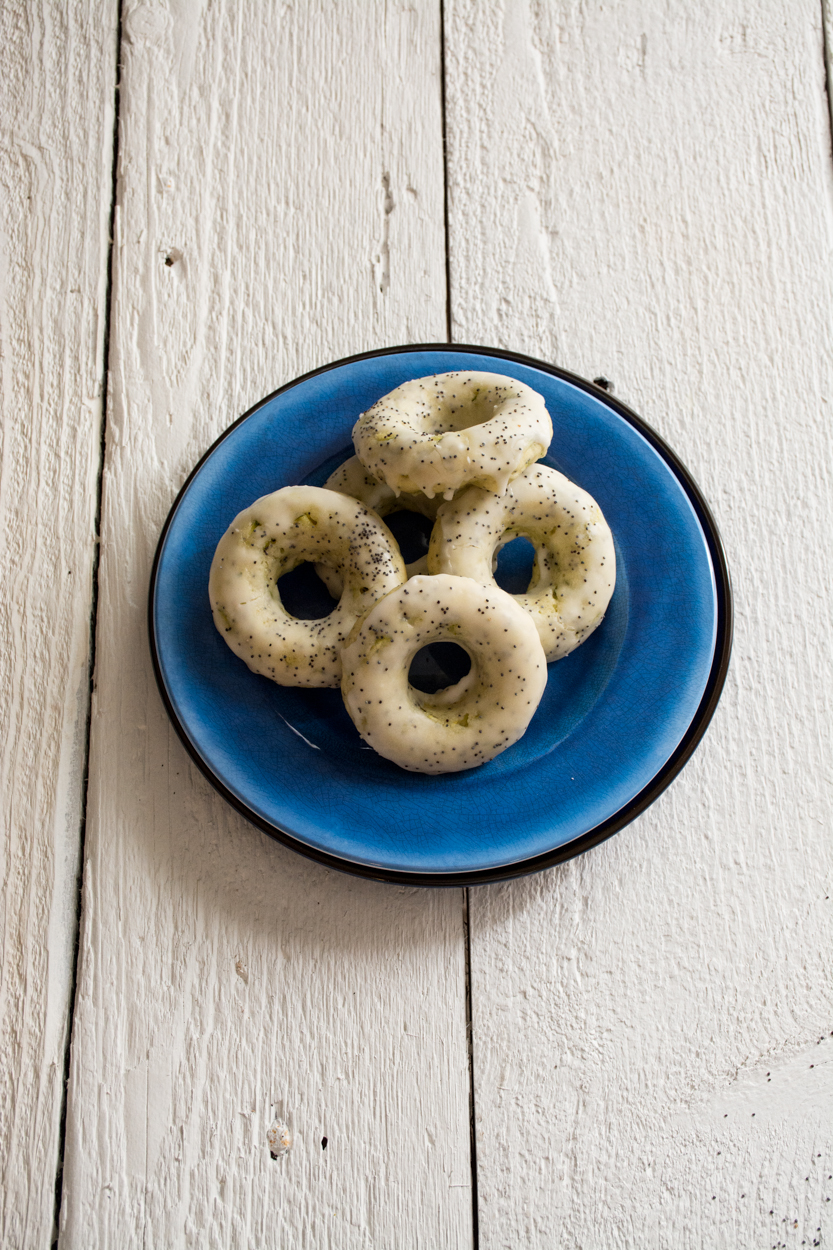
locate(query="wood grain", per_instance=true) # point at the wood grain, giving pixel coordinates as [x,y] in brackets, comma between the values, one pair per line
[644,192]
[57,79]
[279,205]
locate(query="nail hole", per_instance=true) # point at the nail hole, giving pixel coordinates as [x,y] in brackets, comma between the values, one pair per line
[279,1138]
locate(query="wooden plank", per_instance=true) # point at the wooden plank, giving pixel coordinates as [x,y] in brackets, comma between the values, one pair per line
[279,205]
[644,192]
[57,87]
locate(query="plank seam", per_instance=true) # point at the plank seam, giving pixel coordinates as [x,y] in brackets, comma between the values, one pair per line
[85,776]
[446,224]
[475,1214]
[825,43]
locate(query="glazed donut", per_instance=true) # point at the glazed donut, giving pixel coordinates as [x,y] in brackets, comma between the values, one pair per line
[272,537]
[441,433]
[575,564]
[467,723]
[353,479]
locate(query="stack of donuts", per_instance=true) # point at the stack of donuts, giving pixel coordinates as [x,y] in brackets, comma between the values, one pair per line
[459,448]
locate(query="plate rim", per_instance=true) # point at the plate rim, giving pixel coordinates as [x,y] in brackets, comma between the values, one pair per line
[640,801]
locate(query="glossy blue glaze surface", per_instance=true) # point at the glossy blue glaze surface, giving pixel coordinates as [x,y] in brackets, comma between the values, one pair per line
[612,714]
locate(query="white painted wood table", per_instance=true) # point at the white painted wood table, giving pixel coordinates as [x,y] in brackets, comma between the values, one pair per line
[640,190]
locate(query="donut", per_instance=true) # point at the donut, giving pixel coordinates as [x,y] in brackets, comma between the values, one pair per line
[575,563]
[272,537]
[467,723]
[353,479]
[438,434]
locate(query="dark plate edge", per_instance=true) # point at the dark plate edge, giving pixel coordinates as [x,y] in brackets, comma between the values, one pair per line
[641,801]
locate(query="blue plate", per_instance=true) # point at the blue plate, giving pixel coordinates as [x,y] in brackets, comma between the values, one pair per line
[618,719]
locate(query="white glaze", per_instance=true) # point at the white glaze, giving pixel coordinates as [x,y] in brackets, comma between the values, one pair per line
[441,433]
[465,724]
[575,564]
[273,536]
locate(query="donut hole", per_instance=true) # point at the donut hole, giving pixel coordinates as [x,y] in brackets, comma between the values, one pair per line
[437,666]
[467,414]
[304,595]
[515,566]
[412,532]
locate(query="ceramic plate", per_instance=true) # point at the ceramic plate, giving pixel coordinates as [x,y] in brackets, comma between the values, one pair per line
[619,717]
